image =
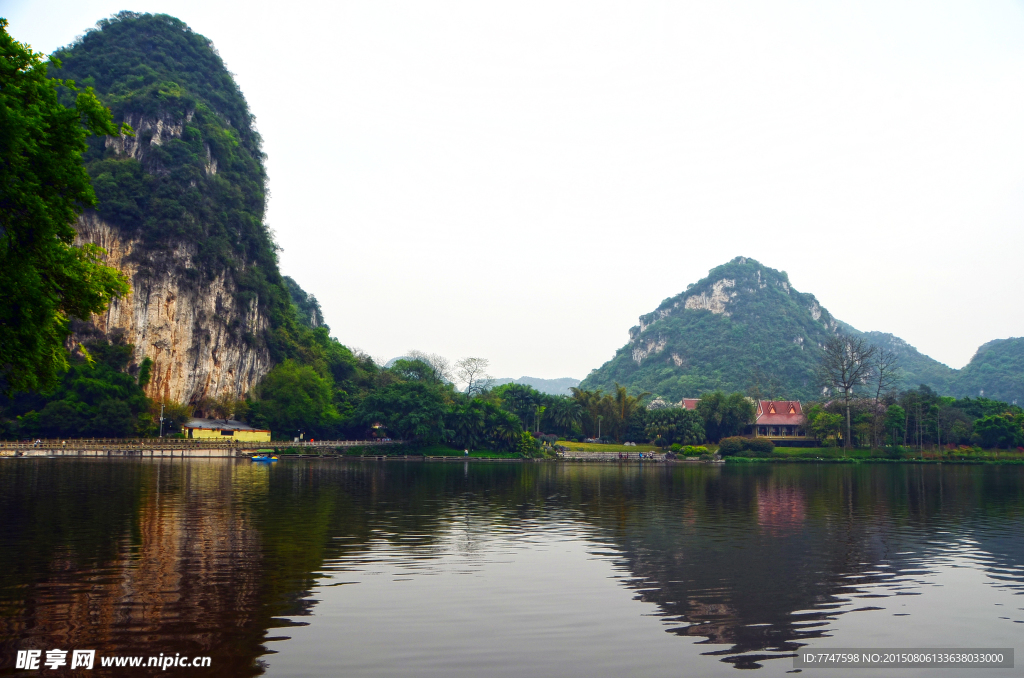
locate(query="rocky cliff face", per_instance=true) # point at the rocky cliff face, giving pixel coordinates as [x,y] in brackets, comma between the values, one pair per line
[195,332]
[180,210]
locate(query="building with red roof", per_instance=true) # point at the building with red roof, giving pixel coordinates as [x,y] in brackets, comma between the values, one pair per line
[779,419]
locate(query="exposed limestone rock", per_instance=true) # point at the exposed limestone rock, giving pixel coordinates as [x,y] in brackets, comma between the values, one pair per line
[816,311]
[716,301]
[193,331]
[154,131]
[148,130]
[678,359]
[653,347]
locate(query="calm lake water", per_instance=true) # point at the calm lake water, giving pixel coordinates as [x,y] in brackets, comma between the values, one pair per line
[329,568]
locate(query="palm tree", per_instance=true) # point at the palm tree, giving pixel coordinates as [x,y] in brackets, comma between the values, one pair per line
[564,413]
[468,426]
[507,430]
[521,400]
[625,406]
[594,404]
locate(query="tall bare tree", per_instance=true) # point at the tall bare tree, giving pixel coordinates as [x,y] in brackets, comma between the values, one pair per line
[439,367]
[473,373]
[886,374]
[844,363]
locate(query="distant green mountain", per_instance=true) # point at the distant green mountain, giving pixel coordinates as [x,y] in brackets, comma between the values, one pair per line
[917,368]
[996,371]
[558,386]
[744,328]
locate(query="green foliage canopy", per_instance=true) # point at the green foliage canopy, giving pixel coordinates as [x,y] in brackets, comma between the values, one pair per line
[410,410]
[293,398]
[45,279]
[725,415]
[95,397]
[675,425]
[1000,430]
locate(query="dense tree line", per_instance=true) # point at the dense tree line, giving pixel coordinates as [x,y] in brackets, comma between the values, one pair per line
[920,418]
[864,405]
[96,396]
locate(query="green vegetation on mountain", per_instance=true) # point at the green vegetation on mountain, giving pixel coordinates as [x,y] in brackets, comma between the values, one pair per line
[45,280]
[193,175]
[307,308]
[915,367]
[744,328]
[204,183]
[996,371]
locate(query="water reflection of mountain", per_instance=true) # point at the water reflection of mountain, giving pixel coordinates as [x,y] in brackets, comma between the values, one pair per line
[759,558]
[213,557]
[132,558]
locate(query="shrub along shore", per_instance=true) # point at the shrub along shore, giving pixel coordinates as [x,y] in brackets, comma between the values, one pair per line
[959,455]
[798,455]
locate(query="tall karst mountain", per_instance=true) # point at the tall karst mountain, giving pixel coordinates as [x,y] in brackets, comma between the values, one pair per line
[744,328]
[181,208]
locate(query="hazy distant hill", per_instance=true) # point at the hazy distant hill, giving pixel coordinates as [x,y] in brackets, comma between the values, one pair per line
[744,328]
[552,386]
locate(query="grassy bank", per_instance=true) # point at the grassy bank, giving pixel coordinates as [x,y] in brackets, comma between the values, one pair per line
[392,451]
[857,455]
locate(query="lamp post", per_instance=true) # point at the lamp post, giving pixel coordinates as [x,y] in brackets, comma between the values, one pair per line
[599,418]
[161,420]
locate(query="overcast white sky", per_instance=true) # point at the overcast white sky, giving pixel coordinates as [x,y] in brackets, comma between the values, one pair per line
[521,180]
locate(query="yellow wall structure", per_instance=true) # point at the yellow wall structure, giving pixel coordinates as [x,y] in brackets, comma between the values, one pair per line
[252,435]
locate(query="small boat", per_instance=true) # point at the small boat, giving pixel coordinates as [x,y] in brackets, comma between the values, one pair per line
[264,457]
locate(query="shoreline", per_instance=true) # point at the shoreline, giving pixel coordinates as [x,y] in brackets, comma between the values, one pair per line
[212,452]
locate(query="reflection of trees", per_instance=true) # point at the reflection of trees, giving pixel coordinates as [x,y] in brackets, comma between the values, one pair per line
[206,557]
[755,558]
[780,546]
[132,558]
[198,558]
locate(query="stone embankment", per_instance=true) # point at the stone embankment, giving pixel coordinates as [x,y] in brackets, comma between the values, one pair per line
[167,447]
[573,455]
[651,456]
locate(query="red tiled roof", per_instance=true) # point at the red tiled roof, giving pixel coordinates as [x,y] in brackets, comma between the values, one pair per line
[690,403]
[780,413]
